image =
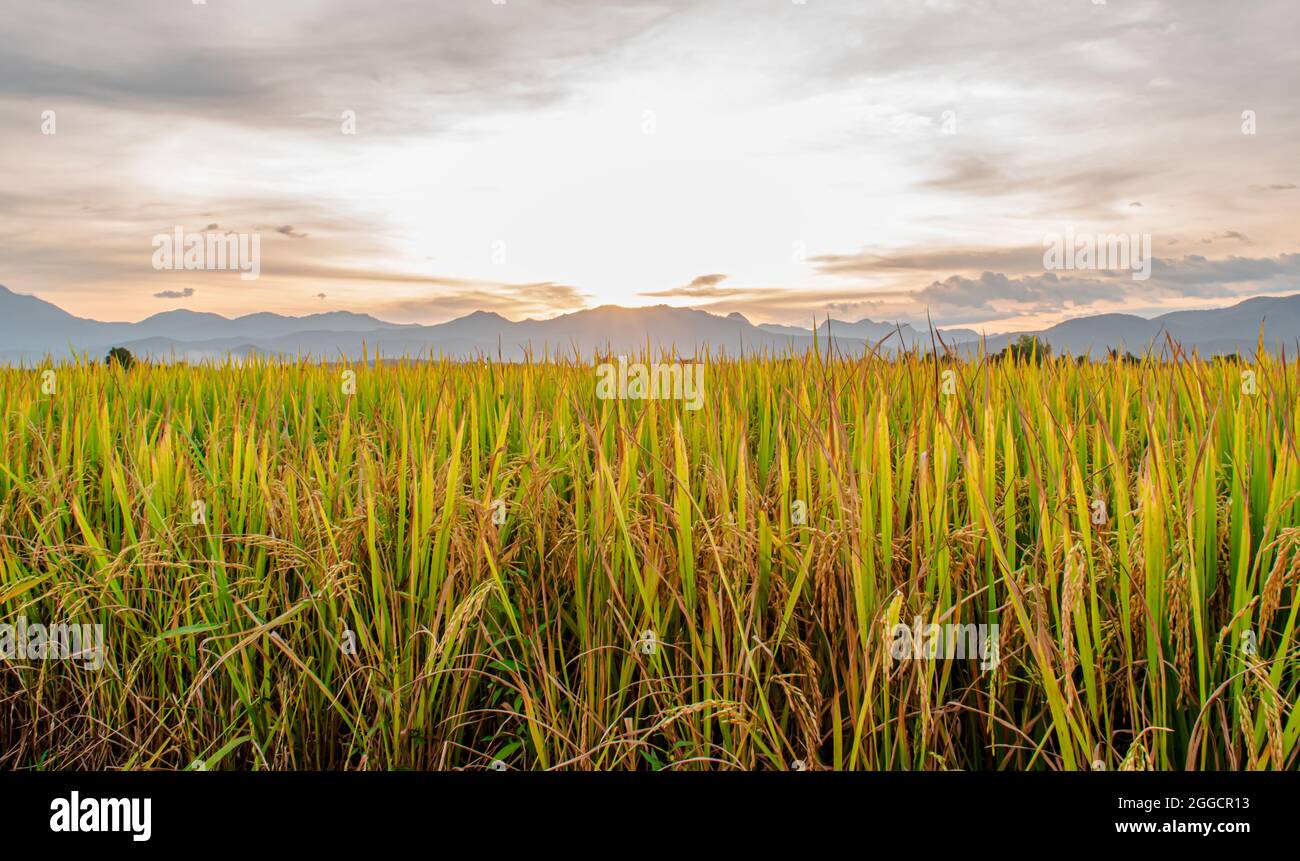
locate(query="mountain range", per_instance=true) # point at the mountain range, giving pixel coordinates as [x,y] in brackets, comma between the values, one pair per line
[32,330]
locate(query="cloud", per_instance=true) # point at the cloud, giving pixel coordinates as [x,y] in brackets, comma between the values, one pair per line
[867,263]
[994,294]
[1235,235]
[1079,188]
[190,60]
[973,174]
[1195,275]
[704,286]
[821,121]
[175,294]
[1028,294]
[706,281]
[456,298]
[991,295]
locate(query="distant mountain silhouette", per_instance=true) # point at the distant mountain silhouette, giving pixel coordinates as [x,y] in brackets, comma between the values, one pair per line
[1215,331]
[873,332]
[32,330]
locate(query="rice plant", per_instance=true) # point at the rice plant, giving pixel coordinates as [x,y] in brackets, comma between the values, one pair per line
[438,564]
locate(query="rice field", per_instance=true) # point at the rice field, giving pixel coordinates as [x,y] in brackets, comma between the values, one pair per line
[438,565]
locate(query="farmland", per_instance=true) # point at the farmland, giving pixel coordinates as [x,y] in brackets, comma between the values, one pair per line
[437,565]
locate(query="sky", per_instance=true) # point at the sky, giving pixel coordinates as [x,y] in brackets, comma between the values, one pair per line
[787,159]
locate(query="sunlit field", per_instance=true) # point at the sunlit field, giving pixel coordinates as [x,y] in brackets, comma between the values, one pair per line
[479,565]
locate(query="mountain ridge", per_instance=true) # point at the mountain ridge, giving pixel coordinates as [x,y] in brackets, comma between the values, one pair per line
[32,329]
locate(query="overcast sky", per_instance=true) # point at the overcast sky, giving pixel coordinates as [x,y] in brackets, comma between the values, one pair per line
[862,158]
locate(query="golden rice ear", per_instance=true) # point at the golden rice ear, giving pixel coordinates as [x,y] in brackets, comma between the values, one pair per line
[1137,758]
